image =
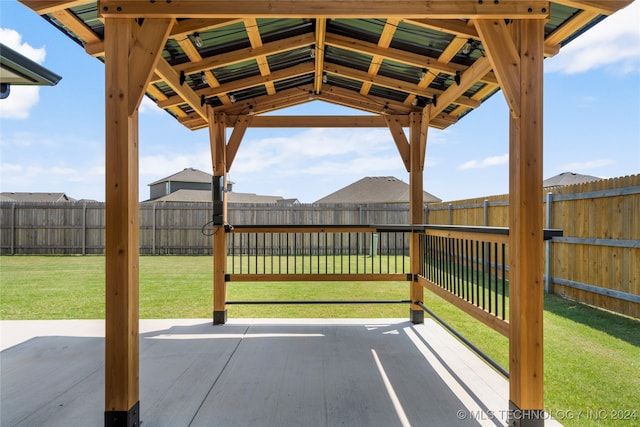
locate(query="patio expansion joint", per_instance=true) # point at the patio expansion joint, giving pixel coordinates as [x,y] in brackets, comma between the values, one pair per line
[222,371]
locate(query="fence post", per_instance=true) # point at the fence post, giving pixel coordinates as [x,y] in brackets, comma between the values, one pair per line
[84,228]
[450,210]
[153,230]
[13,229]
[485,206]
[487,247]
[548,283]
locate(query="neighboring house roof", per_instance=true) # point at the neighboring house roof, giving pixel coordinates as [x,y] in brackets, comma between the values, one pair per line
[186,196]
[375,189]
[568,178]
[205,196]
[187,175]
[35,197]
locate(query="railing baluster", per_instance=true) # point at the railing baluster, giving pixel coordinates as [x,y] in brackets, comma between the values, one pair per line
[504,283]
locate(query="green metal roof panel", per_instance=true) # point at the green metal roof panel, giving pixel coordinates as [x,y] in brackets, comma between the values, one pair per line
[420,40]
[289,58]
[347,58]
[362,29]
[277,29]
[237,71]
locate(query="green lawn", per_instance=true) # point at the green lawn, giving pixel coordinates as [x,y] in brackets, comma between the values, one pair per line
[592,357]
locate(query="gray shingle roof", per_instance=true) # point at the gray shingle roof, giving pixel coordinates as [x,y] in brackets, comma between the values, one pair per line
[187,175]
[184,195]
[36,197]
[375,189]
[568,178]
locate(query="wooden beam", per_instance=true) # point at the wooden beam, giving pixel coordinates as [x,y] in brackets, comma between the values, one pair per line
[526,285]
[504,58]
[75,25]
[266,103]
[399,137]
[424,128]
[187,27]
[321,30]
[235,139]
[273,121]
[251,26]
[444,9]
[576,22]
[180,32]
[386,36]
[236,85]
[460,29]
[246,54]
[369,103]
[146,51]
[467,79]
[391,83]
[121,225]
[169,75]
[397,55]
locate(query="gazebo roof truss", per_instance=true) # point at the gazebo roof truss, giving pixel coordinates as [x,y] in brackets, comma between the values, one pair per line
[378,56]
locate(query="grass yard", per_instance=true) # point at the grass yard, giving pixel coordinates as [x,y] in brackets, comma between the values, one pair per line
[592,357]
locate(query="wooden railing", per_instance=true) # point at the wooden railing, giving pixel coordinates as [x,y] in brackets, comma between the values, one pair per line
[466,266]
[317,253]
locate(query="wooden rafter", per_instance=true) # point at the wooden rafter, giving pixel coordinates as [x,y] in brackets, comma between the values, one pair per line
[386,37]
[251,26]
[391,83]
[172,78]
[246,54]
[321,29]
[236,85]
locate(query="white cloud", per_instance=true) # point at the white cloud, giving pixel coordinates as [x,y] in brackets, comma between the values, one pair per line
[591,164]
[13,39]
[616,40]
[486,162]
[21,98]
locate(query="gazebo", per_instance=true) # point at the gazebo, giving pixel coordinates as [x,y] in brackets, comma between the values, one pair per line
[415,64]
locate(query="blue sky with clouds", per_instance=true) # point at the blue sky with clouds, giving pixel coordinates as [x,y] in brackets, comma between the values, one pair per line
[52,138]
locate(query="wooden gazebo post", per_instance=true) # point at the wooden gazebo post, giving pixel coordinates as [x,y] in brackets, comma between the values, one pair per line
[516,52]
[419,123]
[217,136]
[131,55]
[526,302]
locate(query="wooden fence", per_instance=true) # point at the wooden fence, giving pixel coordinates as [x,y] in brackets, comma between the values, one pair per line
[77,228]
[597,261]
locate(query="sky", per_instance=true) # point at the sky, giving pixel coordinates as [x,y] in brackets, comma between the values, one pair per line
[52,138]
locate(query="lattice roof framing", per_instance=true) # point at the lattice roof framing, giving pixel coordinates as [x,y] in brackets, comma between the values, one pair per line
[379,56]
